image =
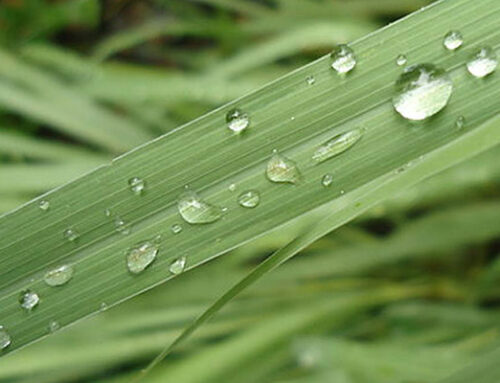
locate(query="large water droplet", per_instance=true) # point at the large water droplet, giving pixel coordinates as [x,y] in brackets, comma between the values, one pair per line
[176,228]
[401,60]
[141,257]
[343,58]
[137,185]
[249,199]
[282,169]
[194,210]
[453,40]
[71,234]
[4,338]
[327,180]
[337,145]
[237,120]
[483,62]
[28,300]
[44,205]
[178,266]
[59,276]
[421,91]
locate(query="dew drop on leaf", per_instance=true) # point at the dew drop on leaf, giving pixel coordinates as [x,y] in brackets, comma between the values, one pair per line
[327,180]
[176,228]
[54,326]
[460,122]
[483,62]
[71,234]
[453,40]
[4,338]
[58,276]
[310,80]
[343,59]
[249,199]
[178,266]
[195,210]
[141,256]
[337,145]
[137,185]
[422,91]
[401,60]
[44,205]
[28,300]
[121,226]
[282,169]
[237,120]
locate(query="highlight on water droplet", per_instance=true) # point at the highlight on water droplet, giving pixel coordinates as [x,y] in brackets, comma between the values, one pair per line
[54,326]
[249,199]
[422,91]
[44,205]
[59,276]
[343,58]
[483,62]
[310,80]
[337,145]
[282,169]
[176,228]
[237,120]
[178,266]
[137,185]
[28,300]
[327,180]
[4,338]
[453,40]
[121,226]
[460,122]
[195,210]
[141,256]
[71,234]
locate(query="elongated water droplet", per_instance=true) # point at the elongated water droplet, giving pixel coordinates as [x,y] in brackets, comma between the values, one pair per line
[483,62]
[137,185]
[282,169]
[28,300]
[343,58]
[178,266]
[453,40]
[141,257]
[310,80]
[327,180]
[176,228]
[44,205]
[59,276]
[422,91]
[237,120]
[337,145]
[121,226]
[4,338]
[401,60]
[460,122]
[249,199]
[194,210]
[54,326]
[71,234]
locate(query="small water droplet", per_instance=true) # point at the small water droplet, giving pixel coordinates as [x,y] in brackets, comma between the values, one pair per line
[327,180]
[453,40]
[71,234]
[137,185]
[4,338]
[343,58]
[54,326]
[460,122]
[337,145]
[310,80]
[483,62]
[121,226]
[422,91]
[232,187]
[176,228]
[342,192]
[237,120]
[103,306]
[178,266]
[59,276]
[194,210]
[107,212]
[141,257]
[282,169]
[28,300]
[401,60]
[44,205]
[249,199]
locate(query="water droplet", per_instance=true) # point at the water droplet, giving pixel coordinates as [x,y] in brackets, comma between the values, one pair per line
[137,185]
[237,120]
[327,180]
[232,187]
[71,234]
[54,326]
[337,145]
[249,199]
[107,212]
[453,40]
[342,192]
[310,80]
[282,169]
[141,257]
[103,306]
[401,60]
[483,62]
[344,59]
[121,226]
[28,300]
[4,338]
[421,91]
[460,122]
[194,210]
[44,205]
[59,276]
[178,266]
[176,228]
